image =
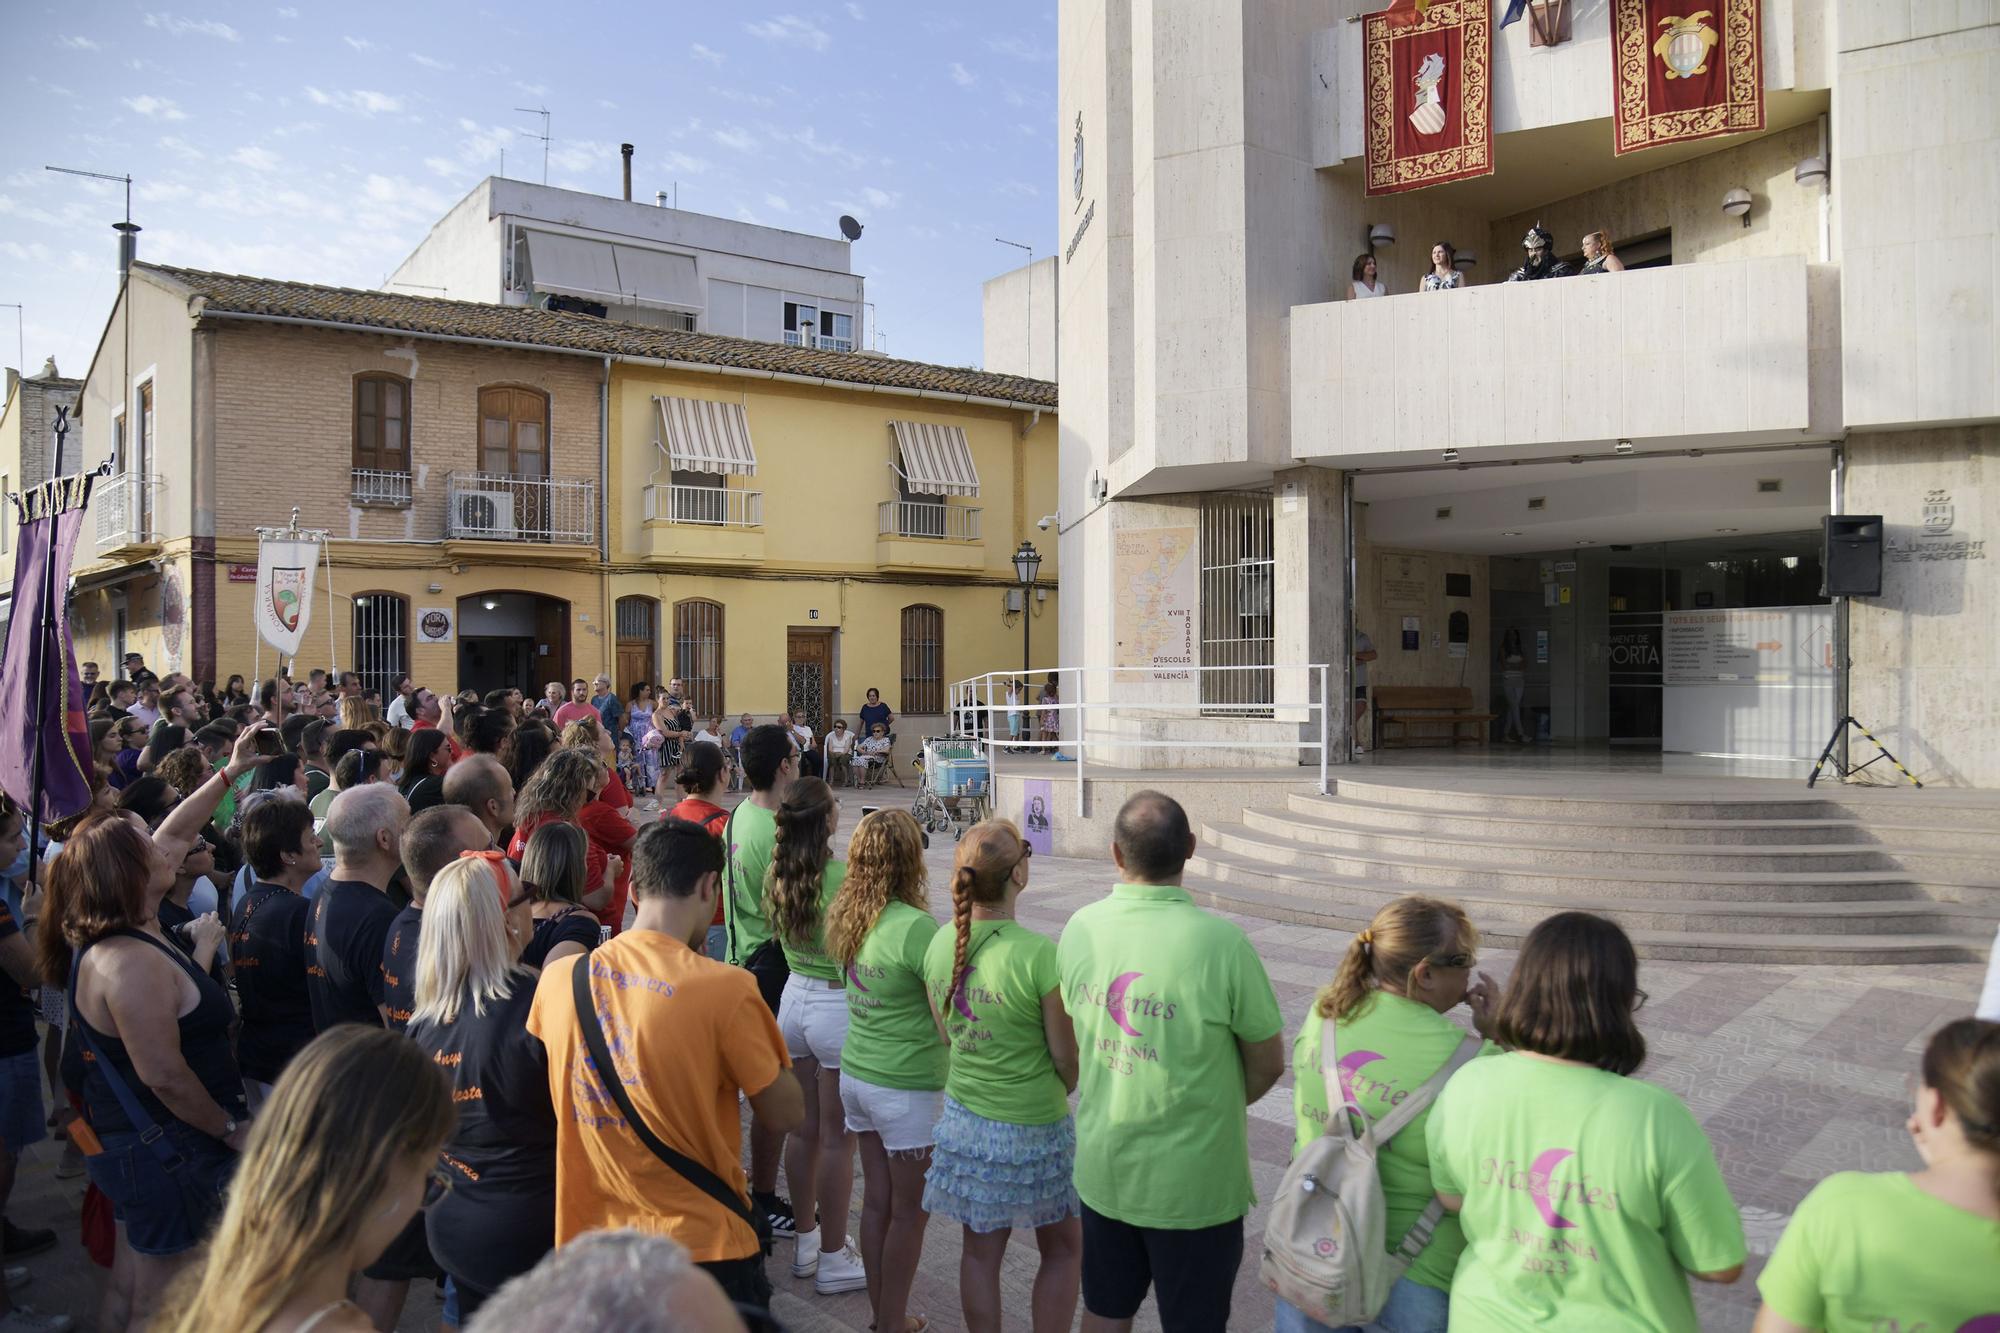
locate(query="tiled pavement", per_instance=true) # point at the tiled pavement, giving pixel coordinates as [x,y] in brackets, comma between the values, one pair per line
[1794,1071]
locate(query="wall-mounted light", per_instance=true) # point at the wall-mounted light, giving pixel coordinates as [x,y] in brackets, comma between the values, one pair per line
[1737,204]
[1464,259]
[1622,447]
[1810,171]
[1451,455]
[490,603]
[437,587]
[1380,234]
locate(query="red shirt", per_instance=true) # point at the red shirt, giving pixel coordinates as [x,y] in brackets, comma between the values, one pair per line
[608,828]
[711,817]
[615,793]
[575,712]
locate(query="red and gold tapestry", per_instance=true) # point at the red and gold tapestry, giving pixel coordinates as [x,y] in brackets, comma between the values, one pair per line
[1428,86]
[1678,75]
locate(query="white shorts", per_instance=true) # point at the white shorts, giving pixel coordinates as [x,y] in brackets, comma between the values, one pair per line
[905,1118]
[812,1018]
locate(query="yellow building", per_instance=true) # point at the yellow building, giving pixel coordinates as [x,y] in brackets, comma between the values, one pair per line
[515,496]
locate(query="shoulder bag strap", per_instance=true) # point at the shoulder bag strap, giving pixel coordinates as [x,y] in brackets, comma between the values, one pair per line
[1337,1099]
[1419,1234]
[692,1171]
[148,1129]
[729,879]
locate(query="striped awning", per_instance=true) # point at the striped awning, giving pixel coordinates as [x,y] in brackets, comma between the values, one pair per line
[936,459]
[703,436]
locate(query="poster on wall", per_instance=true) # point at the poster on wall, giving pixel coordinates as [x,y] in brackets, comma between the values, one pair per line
[1036,801]
[1412,634]
[1403,580]
[1778,645]
[434,624]
[1156,593]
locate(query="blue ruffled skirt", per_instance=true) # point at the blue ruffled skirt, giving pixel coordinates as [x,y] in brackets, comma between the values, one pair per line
[988,1175]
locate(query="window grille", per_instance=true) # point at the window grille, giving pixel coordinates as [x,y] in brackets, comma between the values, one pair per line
[923,660]
[381,640]
[1236,572]
[698,654]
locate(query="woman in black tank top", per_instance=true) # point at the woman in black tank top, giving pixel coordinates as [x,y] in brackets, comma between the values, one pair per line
[148,1061]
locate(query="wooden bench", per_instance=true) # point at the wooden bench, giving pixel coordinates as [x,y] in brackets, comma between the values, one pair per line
[1403,706]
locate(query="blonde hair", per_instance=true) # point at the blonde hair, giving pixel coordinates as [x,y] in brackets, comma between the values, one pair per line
[1406,931]
[1603,241]
[556,863]
[354,714]
[797,874]
[885,864]
[462,952]
[987,855]
[581,734]
[184,770]
[355,1105]
[560,787]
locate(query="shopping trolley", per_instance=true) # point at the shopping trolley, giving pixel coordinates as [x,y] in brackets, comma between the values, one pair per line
[955,785]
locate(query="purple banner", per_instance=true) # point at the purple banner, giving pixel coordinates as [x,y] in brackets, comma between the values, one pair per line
[52,515]
[1036,806]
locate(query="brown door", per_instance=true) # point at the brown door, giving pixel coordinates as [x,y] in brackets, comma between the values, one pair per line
[514,453]
[637,646]
[809,677]
[551,643]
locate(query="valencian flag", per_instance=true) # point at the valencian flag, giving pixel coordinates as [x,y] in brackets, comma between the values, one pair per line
[1428,83]
[1679,73]
[285,568]
[41,695]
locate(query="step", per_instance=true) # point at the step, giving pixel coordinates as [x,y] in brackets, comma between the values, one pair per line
[1628,828]
[1681,946]
[1551,846]
[1416,873]
[1558,803]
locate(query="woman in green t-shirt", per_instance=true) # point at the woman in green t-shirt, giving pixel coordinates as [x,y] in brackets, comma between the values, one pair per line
[1397,981]
[1907,1251]
[799,884]
[1587,1197]
[1006,1144]
[893,1064]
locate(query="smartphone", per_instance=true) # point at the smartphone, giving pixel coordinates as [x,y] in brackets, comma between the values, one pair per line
[269,743]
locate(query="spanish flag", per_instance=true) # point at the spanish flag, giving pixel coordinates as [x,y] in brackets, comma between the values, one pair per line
[1402,13]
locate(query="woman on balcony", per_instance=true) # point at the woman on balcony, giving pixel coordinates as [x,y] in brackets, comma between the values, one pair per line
[1597,256]
[1366,283]
[1444,274]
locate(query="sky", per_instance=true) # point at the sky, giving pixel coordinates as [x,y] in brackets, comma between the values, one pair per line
[319,142]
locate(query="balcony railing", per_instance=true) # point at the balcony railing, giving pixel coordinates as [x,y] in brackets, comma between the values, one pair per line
[128,509]
[940,522]
[825,342]
[373,486]
[715,506]
[502,507]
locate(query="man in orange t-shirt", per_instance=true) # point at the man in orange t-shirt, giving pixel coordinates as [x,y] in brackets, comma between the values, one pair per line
[687,1034]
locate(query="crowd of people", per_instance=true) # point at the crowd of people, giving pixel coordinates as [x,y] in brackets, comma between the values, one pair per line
[475,1019]
[1538,261]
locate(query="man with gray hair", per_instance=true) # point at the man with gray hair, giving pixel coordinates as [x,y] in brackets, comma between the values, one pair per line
[480,783]
[629,1280]
[351,915]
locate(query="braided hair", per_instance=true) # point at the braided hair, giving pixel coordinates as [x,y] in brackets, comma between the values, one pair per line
[980,873]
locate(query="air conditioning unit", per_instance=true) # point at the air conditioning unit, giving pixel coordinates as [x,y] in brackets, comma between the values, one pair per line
[485,514]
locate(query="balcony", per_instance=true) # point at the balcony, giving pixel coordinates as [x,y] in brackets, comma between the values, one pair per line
[129,509]
[543,518]
[919,535]
[373,488]
[1699,354]
[825,342]
[704,525]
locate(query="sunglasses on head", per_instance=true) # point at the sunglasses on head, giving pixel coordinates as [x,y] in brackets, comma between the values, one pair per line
[503,871]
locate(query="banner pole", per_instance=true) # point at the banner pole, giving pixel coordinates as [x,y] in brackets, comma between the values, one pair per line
[332,642]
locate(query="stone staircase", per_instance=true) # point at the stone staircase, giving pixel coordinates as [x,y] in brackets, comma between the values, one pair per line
[1758,877]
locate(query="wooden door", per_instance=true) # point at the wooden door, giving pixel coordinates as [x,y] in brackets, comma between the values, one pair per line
[551,644]
[809,677]
[637,643]
[514,448]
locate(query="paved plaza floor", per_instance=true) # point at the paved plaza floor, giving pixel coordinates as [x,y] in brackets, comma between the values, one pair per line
[1796,1072]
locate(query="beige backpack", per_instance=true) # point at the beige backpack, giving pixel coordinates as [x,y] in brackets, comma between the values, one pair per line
[1324,1247]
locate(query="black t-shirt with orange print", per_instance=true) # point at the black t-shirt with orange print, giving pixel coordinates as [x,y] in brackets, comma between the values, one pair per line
[399,966]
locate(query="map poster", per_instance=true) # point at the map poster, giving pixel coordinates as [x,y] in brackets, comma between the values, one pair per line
[1156,588]
[1404,579]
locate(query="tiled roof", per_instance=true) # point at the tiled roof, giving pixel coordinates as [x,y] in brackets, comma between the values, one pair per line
[228,293]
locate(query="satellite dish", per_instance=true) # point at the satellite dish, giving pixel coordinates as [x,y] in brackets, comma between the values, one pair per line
[850,228]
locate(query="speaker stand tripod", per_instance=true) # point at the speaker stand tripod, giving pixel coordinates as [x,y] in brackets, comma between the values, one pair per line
[1841,768]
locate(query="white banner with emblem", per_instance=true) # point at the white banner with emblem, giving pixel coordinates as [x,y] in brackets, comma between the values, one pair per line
[284,591]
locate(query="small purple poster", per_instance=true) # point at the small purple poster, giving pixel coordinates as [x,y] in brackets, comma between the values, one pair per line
[1035,806]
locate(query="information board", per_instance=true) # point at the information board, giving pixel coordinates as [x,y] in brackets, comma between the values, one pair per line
[1776,645]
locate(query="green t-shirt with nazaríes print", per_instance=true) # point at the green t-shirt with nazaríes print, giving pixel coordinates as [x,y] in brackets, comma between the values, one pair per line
[1588,1199]
[1387,1051]
[1000,1063]
[892,1041]
[810,959]
[1162,993]
[1870,1251]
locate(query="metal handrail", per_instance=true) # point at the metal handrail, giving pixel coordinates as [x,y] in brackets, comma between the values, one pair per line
[985,695]
[495,506]
[713,506]
[128,508]
[926,520]
[379,486]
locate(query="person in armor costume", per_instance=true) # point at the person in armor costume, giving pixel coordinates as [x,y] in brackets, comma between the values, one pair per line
[1541,261]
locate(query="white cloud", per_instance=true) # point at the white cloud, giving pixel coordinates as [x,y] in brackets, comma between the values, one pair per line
[360,100]
[832,149]
[710,54]
[854,12]
[1019,48]
[880,199]
[1019,189]
[693,166]
[287,12]
[792,30]
[359,43]
[175,25]
[962,76]
[739,139]
[77,43]
[181,147]
[257,159]
[159,192]
[431,62]
[533,89]
[159,108]
[777,203]
[442,166]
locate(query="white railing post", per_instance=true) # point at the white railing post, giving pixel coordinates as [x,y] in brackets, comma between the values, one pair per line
[1081,720]
[1325,705]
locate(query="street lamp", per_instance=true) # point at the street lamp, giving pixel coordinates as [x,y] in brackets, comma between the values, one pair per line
[1027,563]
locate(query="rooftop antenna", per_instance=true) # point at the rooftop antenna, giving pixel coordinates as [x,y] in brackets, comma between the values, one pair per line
[1028,347]
[127,248]
[126,179]
[543,112]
